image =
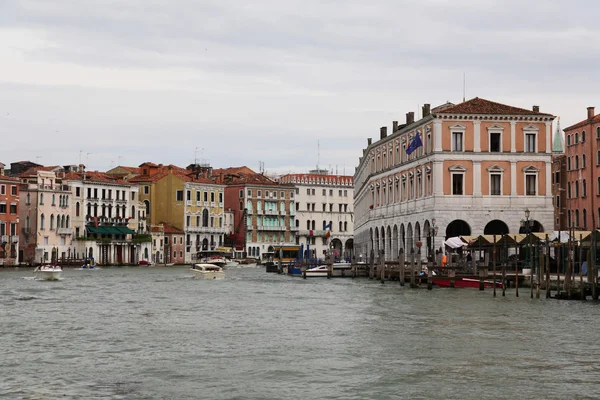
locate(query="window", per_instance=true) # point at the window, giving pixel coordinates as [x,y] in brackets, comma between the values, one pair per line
[557,202]
[241,193]
[598,132]
[179,195]
[249,194]
[282,194]
[212,197]
[583,161]
[568,140]
[324,192]
[42,222]
[2,189]
[495,142]
[188,195]
[2,208]
[583,189]
[583,140]
[457,141]
[530,184]
[146,189]
[206,195]
[308,192]
[28,197]
[569,190]
[41,199]
[576,137]
[13,190]
[457,183]
[52,222]
[188,220]
[495,184]
[331,192]
[576,162]
[584,210]
[340,193]
[530,139]
[576,189]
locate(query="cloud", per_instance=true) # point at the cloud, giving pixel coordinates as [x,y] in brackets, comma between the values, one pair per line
[264,81]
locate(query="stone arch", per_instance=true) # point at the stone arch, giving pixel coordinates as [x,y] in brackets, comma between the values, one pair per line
[395,242]
[458,227]
[495,227]
[427,235]
[409,238]
[388,246]
[376,241]
[336,246]
[536,226]
[349,249]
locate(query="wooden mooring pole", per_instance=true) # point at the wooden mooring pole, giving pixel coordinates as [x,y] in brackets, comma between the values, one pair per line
[412,269]
[372,264]
[401,277]
[494,267]
[516,271]
[381,267]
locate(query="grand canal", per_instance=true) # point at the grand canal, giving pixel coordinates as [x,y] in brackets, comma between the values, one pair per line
[157,333]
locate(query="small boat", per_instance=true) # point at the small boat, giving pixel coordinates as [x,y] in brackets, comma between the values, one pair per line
[465,282]
[342,269]
[320,271]
[212,257]
[169,264]
[48,272]
[89,267]
[207,271]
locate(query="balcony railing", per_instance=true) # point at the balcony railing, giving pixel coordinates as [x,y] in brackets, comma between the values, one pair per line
[14,239]
[4,239]
[272,228]
[271,212]
[64,231]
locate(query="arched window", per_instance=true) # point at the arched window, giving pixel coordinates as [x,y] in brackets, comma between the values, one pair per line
[205,217]
[258,206]
[53,200]
[132,211]
[147,204]
[27,223]
[582,136]
[68,223]
[584,215]
[28,201]
[598,136]
[568,140]
[577,218]
[568,163]
[583,188]
[340,226]
[308,225]
[298,221]
[324,224]
[41,199]
[345,226]
[77,209]
[52,222]
[313,225]
[576,162]
[576,189]
[331,224]
[583,161]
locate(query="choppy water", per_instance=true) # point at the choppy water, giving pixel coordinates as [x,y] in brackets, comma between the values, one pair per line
[157,333]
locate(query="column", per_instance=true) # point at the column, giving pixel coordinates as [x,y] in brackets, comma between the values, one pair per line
[437,135]
[477,136]
[549,179]
[513,178]
[513,135]
[477,178]
[438,178]
[549,137]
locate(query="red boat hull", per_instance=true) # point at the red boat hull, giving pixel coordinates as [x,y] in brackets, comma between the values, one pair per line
[465,282]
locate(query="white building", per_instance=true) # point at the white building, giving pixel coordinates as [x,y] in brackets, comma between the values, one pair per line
[482,165]
[105,218]
[324,212]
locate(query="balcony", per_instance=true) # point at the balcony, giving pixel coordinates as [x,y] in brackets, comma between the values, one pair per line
[64,231]
[14,239]
[272,228]
[271,212]
[4,239]
[294,229]
[259,212]
[249,212]
[121,201]
[188,203]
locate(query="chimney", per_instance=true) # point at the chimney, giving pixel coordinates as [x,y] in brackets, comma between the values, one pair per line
[410,117]
[395,124]
[383,132]
[426,110]
[536,108]
[369,141]
[590,112]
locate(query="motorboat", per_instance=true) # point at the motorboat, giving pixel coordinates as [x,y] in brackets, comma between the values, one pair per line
[48,272]
[207,271]
[212,257]
[320,271]
[90,267]
[465,282]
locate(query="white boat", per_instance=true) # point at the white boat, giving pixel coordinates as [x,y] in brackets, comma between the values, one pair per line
[207,271]
[48,272]
[212,257]
[342,269]
[320,271]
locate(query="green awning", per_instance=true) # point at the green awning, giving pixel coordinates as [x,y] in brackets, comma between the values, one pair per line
[96,229]
[125,230]
[112,230]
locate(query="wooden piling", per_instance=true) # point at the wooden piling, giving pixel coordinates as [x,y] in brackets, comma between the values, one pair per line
[581,287]
[372,265]
[592,264]
[381,267]
[412,269]
[401,277]
[494,267]
[516,272]
[531,272]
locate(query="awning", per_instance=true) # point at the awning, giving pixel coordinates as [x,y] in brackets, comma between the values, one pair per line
[125,230]
[96,229]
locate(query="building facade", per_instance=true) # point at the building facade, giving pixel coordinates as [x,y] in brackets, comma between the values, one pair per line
[9,219]
[582,154]
[480,166]
[324,213]
[174,245]
[104,215]
[47,233]
[264,210]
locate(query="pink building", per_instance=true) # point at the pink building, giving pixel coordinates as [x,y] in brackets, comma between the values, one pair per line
[174,245]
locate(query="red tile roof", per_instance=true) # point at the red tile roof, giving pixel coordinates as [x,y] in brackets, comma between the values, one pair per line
[95,176]
[4,178]
[585,122]
[242,176]
[483,106]
[168,229]
[163,171]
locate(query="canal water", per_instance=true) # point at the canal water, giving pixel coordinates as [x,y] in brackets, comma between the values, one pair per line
[158,333]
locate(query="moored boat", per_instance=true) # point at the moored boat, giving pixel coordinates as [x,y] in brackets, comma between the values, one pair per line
[207,271]
[465,282]
[48,272]
[315,272]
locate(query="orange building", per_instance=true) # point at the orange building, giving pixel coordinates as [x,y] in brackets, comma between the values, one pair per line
[480,166]
[583,172]
[9,219]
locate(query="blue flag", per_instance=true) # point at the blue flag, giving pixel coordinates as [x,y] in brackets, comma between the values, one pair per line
[415,144]
[328,226]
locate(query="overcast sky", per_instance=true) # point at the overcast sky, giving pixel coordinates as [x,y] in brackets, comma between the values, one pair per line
[127,81]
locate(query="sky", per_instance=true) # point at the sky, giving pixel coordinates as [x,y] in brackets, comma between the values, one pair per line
[292,84]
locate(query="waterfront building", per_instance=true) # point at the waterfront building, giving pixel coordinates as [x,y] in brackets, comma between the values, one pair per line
[9,219]
[264,210]
[480,166]
[324,212]
[174,246]
[582,154]
[187,199]
[559,179]
[45,211]
[104,216]
[158,243]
